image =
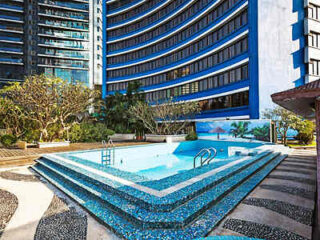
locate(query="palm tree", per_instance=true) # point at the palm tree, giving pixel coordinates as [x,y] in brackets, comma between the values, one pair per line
[240,129]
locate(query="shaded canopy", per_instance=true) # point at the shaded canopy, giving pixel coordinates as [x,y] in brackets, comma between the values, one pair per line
[300,100]
[217,130]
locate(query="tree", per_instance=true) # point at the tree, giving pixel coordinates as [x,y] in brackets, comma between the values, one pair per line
[12,117]
[166,118]
[48,101]
[116,109]
[74,99]
[284,120]
[305,130]
[240,129]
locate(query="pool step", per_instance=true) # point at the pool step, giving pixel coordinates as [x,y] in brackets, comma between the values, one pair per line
[200,225]
[146,200]
[177,218]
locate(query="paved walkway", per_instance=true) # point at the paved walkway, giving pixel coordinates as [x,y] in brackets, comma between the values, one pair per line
[282,206]
[43,212]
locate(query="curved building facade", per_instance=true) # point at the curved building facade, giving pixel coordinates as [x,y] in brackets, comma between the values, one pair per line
[204,50]
[183,49]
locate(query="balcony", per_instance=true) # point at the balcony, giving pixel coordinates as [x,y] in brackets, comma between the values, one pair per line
[66,5]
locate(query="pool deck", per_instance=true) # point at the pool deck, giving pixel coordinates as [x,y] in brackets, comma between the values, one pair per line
[19,157]
[282,205]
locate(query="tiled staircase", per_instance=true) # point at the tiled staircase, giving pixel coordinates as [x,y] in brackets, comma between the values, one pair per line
[187,213]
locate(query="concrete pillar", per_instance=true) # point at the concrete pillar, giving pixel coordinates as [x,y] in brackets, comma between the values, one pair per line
[317,224]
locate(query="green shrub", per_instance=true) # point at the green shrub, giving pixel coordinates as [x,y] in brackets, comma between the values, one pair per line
[8,140]
[305,132]
[192,136]
[89,132]
[31,136]
[305,138]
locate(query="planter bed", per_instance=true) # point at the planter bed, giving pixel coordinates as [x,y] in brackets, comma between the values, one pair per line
[53,144]
[165,138]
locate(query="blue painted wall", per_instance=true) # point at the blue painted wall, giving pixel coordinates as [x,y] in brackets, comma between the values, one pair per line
[104,49]
[254,60]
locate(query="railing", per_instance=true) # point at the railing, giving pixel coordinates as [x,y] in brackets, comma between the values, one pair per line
[109,153]
[214,151]
[206,155]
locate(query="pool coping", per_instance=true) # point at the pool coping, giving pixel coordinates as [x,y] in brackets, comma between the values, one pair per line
[199,228]
[151,191]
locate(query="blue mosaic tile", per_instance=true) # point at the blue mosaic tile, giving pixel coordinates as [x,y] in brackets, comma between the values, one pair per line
[170,201]
[227,238]
[199,228]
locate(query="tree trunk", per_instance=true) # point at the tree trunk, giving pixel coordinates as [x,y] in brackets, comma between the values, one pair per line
[285,138]
[44,134]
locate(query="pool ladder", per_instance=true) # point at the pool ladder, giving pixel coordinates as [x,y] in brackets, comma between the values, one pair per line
[206,155]
[108,153]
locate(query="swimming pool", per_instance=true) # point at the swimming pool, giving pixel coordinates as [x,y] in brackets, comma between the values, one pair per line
[157,161]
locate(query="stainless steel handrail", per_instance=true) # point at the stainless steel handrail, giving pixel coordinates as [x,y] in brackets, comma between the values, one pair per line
[211,149]
[201,154]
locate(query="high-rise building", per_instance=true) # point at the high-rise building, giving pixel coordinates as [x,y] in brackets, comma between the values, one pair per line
[56,37]
[12,59]
[229,55]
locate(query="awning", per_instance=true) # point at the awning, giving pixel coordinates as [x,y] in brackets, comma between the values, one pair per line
[300,100]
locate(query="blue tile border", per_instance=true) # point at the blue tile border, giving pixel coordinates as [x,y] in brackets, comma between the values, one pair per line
[199,228]
[170,201]
[178,217]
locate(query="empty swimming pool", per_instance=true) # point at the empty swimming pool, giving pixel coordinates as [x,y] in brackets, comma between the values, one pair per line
[157,161]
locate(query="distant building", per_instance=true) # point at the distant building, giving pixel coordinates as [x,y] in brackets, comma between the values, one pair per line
[56,37]
[229,55]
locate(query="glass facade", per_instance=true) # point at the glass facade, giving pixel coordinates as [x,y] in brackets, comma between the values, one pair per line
[63,43]
[49,36]
[11,41]
[184,50]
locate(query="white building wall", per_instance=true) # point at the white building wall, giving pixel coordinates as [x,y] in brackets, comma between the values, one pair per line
[279,62]
[96,42]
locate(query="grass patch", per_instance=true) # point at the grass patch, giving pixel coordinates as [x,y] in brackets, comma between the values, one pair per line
[296,144]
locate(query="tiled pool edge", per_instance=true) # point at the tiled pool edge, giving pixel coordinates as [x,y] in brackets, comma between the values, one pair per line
[169,220]
[171,198]
[186,234]
[133,177]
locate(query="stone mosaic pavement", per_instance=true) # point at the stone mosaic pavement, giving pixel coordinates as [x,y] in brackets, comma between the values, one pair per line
[280,208]
[32,209]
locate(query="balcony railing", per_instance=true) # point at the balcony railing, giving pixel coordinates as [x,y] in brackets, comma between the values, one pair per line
[79,6]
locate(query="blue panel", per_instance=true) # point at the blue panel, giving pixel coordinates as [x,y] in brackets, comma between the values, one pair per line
[298,35]
[216,45]
[228,13]
[165,68]
[214,91]
[254,60]
[155,22]
[104,48]
[139,15]
[127,6]
[225,113]
[197,75]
